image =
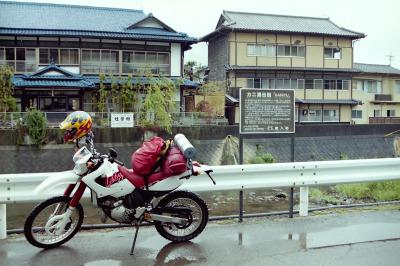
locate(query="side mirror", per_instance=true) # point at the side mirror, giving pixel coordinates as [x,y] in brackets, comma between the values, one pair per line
[113,153]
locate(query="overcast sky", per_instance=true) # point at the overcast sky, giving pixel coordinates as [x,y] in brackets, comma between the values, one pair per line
[379,20]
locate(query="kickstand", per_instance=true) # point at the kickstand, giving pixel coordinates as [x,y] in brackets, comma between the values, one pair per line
[136,233]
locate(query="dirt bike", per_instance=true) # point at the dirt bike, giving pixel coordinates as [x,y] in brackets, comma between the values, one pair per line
[120,194]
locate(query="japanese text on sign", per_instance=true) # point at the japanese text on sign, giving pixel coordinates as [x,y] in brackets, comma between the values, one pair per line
[122,120]
[266,111]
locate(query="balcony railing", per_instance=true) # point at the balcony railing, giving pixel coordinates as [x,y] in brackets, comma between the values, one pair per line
[383,97]
[20,65]
[12,119]
[142,68]
[97,67]
[384,120]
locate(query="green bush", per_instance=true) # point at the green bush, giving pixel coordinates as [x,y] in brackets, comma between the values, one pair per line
[36,125]
[264,158]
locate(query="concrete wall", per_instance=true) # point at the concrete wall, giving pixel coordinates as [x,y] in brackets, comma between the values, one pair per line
[217,58]
[313,142]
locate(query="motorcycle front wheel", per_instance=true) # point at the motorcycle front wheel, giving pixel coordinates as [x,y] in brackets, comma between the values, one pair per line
[35,225]
[197,218]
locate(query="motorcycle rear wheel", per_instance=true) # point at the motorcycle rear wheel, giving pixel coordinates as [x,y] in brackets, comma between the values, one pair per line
[197,219]
[34,228]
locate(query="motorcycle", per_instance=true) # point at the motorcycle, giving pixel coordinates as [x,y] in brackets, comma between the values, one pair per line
[120,194]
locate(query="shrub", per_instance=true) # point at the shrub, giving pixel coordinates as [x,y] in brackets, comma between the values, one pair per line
[36,125]
[264,158]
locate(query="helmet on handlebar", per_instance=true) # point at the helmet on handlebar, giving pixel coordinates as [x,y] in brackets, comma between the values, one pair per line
[76,125]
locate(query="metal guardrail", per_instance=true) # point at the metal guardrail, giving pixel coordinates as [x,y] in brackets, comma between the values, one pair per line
[17,188]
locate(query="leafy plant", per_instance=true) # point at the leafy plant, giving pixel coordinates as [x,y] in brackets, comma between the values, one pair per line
[156,108]
[7,101]
[103,94]
[36,124]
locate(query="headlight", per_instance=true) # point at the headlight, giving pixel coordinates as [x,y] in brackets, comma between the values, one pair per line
[80,169]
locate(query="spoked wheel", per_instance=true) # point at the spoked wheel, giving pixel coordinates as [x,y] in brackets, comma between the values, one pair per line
[44,226]
[196,220]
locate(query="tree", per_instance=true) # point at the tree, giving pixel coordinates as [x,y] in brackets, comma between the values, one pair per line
[156,108]
[127,95]
[193,70]
[115,93]
[7,101]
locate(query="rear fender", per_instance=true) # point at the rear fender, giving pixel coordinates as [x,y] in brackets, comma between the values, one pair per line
[56,180]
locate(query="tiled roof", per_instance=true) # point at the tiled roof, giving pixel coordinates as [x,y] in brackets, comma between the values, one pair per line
[52,76]
[281,24]
[376,69]
[231,99]
[55,76]
[23,18]
[143,80]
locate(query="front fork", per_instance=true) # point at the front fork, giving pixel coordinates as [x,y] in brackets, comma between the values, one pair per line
[56,224]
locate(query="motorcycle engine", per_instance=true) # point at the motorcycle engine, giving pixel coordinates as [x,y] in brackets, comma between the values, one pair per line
[122,210]
[115,209]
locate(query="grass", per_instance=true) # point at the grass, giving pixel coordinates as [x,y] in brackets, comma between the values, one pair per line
[379,191]
[375,191]
[323,196]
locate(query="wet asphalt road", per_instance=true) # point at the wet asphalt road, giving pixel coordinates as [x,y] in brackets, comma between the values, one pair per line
[353,238]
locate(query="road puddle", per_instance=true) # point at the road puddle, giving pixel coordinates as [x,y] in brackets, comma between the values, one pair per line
[347,235]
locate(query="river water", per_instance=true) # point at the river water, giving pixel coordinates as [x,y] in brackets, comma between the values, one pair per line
[219,203]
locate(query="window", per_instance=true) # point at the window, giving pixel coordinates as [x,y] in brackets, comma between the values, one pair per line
[95,61]
[283,50]
[332,53]
[298,51]
[329,84]
[391,113]
[47,56]
[20,59]
[309,84]
[318,83]
[377,113]
[288,50]
[300,84]
[372,86]
[133,62]
[397,85]
[311,115]
[331,115]
[356,114]
[69,56]
[254,83]
[261,50]
[346,84]
[2,57]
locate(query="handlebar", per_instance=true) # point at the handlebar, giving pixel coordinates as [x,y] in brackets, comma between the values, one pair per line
[118,162]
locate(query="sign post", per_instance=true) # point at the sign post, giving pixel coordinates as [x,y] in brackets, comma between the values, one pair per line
[267,111]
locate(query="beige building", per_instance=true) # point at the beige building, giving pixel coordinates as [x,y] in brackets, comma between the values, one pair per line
[378,89]
[313,56]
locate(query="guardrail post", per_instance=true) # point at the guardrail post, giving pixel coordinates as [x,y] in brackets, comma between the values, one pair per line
[291,202]
[240,206]
[303,201]
[3,221]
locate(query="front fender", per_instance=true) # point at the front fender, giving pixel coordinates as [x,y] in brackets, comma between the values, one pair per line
[55,180]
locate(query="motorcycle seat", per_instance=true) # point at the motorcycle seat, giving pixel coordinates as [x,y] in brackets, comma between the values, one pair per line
[138,180]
